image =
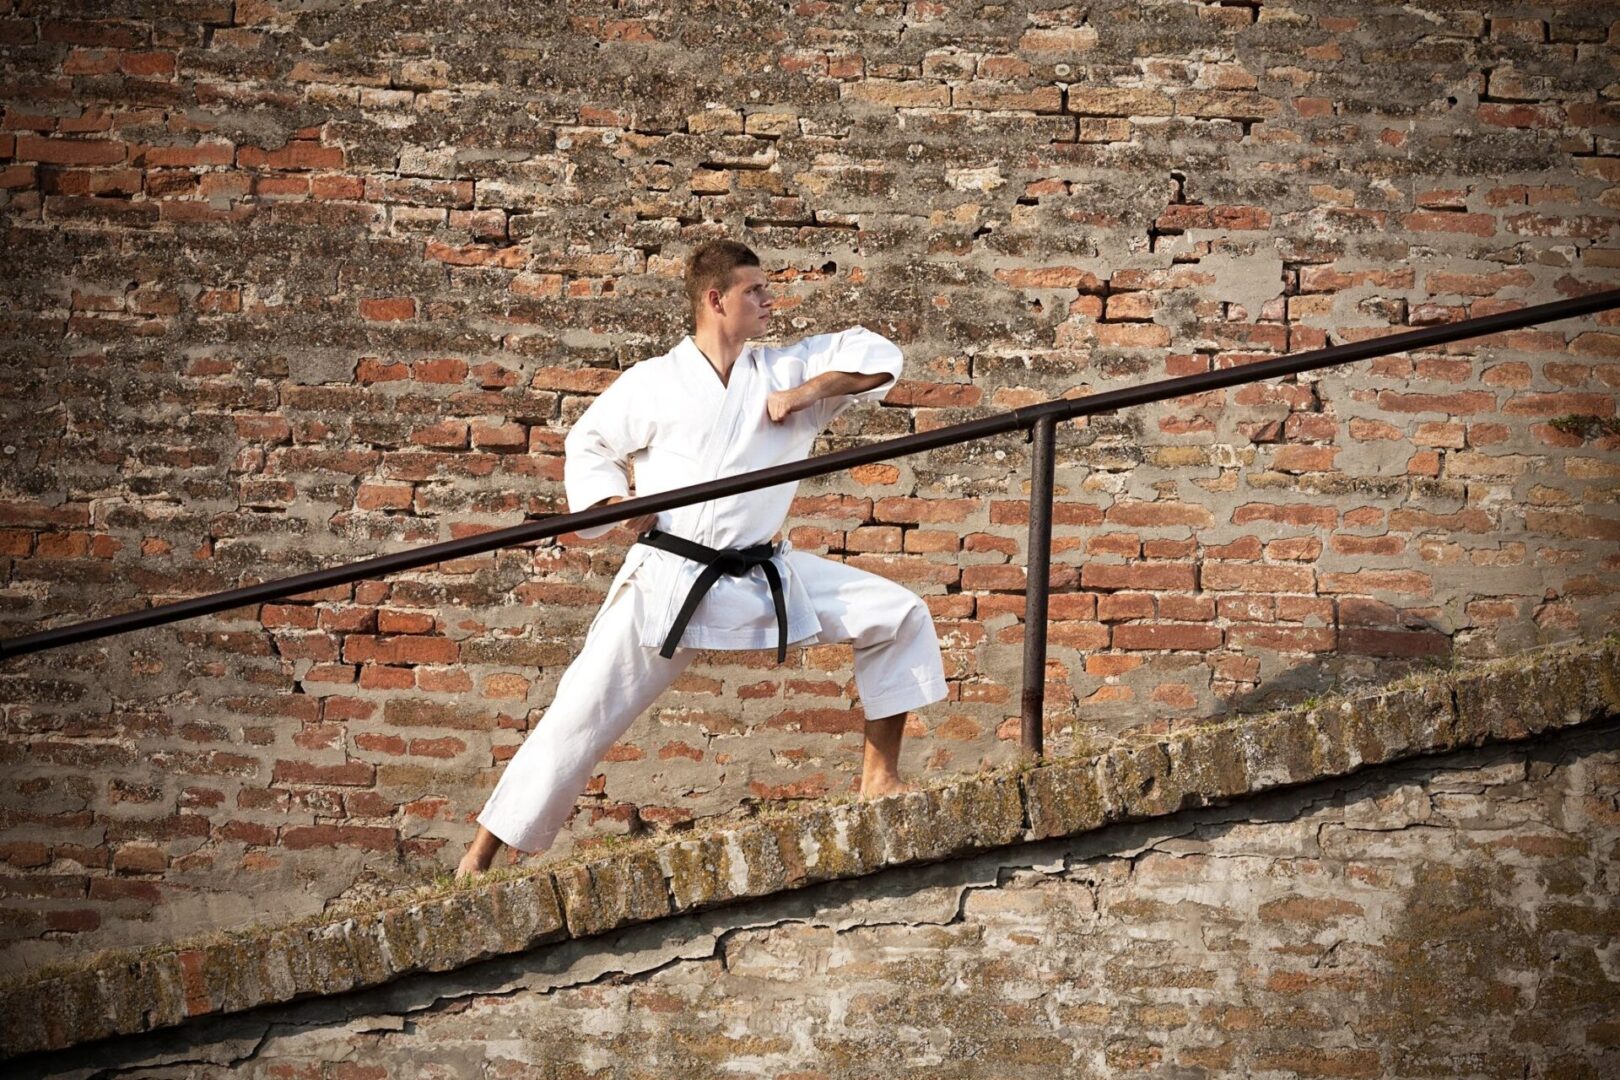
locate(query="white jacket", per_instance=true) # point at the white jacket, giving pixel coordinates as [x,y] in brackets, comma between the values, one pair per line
[671,416]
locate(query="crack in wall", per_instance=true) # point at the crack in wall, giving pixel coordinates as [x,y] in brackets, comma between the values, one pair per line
[636,953]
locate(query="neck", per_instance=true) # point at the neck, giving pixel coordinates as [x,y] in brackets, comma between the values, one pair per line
[721,349]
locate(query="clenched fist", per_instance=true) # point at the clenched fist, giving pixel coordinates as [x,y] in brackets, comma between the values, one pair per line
[782,402]
[637,525]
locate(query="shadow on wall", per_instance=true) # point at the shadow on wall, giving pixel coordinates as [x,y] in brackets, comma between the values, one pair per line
[1303,681]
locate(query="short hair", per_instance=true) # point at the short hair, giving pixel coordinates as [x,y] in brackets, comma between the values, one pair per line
[711,267]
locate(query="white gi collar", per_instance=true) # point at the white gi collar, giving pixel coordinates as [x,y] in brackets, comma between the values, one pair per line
[688,348]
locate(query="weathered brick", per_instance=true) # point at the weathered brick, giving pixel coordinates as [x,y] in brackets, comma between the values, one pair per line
[412,341]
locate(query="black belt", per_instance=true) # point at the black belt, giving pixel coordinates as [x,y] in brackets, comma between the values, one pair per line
[733,561]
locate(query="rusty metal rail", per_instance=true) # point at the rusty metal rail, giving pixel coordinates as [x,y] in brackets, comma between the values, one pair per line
[1040,421]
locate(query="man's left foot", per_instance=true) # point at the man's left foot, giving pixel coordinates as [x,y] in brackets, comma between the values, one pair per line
[879,788]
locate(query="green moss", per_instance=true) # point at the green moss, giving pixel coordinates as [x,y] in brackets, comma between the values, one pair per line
[442,885]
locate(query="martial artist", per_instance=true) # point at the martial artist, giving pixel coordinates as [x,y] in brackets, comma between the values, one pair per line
[708,576]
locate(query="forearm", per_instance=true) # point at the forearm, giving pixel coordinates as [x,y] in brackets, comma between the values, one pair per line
[834,383]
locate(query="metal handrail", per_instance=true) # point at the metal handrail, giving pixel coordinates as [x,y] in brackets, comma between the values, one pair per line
[1039,420]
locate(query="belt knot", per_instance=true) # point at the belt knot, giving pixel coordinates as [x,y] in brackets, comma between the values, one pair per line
[733,562]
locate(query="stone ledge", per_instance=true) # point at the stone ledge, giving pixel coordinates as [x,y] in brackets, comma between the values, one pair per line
[124,993]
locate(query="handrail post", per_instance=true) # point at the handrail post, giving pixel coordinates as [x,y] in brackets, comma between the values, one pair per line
[1037,579]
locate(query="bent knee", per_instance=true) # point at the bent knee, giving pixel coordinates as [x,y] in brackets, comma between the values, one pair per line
[914,616]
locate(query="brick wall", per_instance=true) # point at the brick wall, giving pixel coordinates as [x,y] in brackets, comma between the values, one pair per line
[294,288]
[1449,917]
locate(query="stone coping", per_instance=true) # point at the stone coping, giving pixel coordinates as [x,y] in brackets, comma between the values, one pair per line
[446,926]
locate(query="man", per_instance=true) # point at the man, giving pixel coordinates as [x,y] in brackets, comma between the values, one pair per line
[707,576]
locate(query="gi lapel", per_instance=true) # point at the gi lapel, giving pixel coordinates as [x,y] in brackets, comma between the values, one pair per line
[721,434]
[676,575]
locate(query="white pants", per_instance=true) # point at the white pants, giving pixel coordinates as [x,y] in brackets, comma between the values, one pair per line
[614,679]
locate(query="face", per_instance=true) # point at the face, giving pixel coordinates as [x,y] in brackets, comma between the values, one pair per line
[748,303]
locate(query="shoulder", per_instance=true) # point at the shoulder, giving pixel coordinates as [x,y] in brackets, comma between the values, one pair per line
[783,364]
[804,347]
[645,371]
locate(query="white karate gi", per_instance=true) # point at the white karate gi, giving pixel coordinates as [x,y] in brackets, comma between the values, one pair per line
[673,418]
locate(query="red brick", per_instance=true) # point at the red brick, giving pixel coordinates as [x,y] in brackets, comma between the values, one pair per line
[1115,543]
[1411,582]
[1169,549]
[1517,116]
[401,649]
[148,63]
[1067,605]
[1310,910]
[677,748]
[1435,221]
[1257,578]
[873,538]
[1560,404]
[1175,636]
[447,747]
[1296,548]
[388,309]
[934,395]
[1461,403]
[72,920]
[1299,459]
[510,257]
[1572,525]
[1064,512]
[1127,512]
[1132,335]
[116,889]
[1285,638]
[1349,544]
[1364,430]
[297,154]
[1493,612]
[908,510]
[1050,277]
[1243,549]
[1118,607]
[304,772]
[1180,577]
[1297,514]
[1314,279]
[1086,636]
[1394,642]
[247,832]
[1473,521]
[630,752]
[1242,608]
[986,578]
[349,188]
[931,540]
[915,569]
[1187,608]
[70,151]
[811,787]
[819,721]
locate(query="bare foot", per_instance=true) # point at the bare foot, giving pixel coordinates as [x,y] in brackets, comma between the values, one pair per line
[889,785]
[470,866]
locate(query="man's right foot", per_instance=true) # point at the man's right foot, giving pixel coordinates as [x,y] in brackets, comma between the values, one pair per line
[470,866]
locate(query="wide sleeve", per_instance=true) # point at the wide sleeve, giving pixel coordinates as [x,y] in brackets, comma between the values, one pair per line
[858,351]
[597,449]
